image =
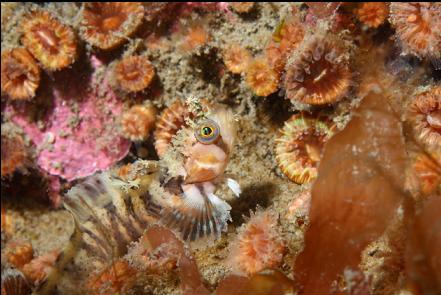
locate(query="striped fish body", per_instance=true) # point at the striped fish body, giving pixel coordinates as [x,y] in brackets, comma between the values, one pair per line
[110,214]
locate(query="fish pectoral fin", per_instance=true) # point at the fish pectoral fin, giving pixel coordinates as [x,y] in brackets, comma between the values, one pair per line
[197,215]
[234,186]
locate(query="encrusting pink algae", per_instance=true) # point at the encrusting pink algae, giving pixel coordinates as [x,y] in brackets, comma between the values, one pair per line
[77,143]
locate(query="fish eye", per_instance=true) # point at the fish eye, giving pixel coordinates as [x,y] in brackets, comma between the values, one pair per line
[207,131]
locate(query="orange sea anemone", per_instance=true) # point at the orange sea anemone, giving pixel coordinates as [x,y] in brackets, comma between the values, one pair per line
[372,14]
[242,7]
[138,121]
[274,57]
[195,37]
[20,74]
[318,73]
[107,25]
[286,38]
[38,268]
[157,251]
[116,278]
[236,58]
[418,27]
[261,78]
[53,44]
[171,120]
[134,73]
[258,244]
[19,253]
[291,33]
[428,171]
[14,154]
[299,147]
[424,113]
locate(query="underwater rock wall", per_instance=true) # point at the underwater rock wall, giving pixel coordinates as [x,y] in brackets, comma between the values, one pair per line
[225,148]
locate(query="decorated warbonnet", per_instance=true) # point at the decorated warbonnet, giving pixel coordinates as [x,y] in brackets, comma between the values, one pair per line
[176,191]
[195,166]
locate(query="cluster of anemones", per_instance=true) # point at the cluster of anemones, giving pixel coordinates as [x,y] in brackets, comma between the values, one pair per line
[315,69]
[263,73]
[20,255]
[54,45]
[46,41]
[424,116]
[157,252]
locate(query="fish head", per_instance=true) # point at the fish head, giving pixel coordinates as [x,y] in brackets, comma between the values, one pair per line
[207,156]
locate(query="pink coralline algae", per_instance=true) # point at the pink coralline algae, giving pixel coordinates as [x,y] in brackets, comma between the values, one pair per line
[80,134]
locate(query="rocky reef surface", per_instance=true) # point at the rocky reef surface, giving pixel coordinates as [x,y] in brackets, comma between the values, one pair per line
[221,148]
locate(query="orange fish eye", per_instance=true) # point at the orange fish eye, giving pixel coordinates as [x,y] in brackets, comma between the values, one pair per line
[207,132]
